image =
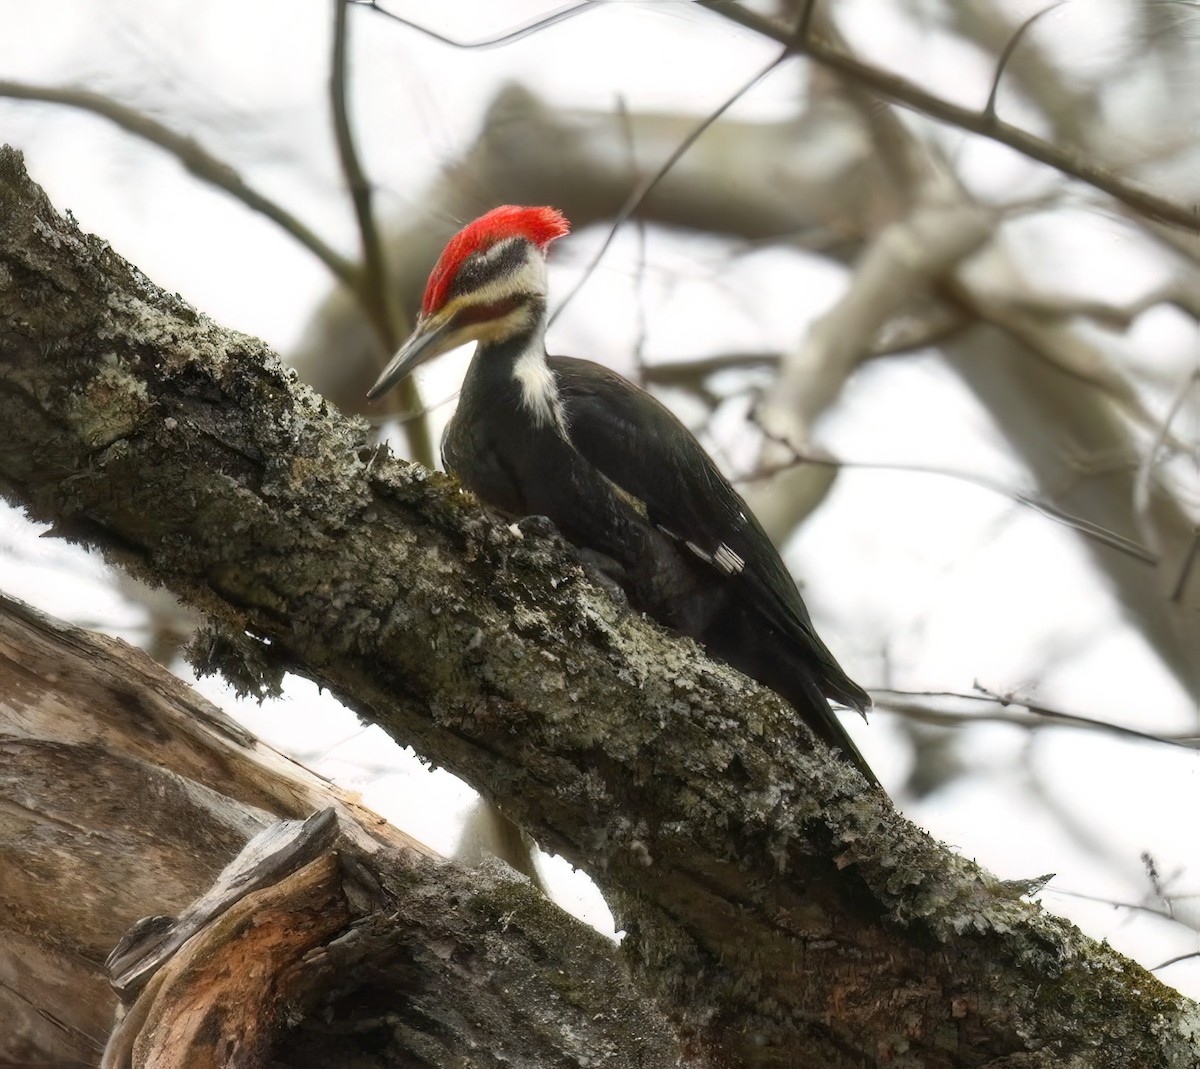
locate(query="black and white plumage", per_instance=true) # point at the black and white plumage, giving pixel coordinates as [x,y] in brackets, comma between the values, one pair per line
[614,469]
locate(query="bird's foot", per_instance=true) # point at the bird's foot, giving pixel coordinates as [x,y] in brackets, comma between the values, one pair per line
[536,525]
[605,572]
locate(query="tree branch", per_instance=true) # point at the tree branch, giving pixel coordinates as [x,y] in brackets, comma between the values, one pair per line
[898,268]
[198,160]
[374,282]
[374,289]
[122,794]
[779,913]
[984,123]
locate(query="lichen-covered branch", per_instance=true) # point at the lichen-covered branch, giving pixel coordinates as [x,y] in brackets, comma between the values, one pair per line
[782,914]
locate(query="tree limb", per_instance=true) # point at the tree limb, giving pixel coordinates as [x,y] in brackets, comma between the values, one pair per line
[197,159]
[780,913]
[984,123]
[123,792]
[375,292]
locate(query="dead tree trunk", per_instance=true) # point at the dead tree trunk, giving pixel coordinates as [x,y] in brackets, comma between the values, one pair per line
[780,913]
[123,793]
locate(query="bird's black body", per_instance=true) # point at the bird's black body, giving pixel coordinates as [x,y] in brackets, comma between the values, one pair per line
[622,477]
[618,474]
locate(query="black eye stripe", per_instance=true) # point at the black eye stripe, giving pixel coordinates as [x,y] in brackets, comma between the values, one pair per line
[481,268]
[481,313]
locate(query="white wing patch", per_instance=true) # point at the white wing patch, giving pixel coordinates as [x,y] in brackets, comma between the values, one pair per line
[728,561]
[723,558]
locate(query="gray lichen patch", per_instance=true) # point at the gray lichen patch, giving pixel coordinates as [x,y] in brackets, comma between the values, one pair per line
[111,405]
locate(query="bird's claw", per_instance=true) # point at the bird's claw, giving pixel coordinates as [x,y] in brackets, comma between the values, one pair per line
[605,572]
[537,525]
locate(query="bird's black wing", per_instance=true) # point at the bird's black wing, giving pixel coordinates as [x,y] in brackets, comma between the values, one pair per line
[636,442]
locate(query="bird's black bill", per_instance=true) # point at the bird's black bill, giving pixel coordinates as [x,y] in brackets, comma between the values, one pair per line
[421,346]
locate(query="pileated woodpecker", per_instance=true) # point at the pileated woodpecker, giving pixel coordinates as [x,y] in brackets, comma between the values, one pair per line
[614,470]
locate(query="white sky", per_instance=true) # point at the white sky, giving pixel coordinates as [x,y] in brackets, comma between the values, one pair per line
[956,583]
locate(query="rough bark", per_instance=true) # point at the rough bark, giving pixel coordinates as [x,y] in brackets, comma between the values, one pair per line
[782,914]
[123,793]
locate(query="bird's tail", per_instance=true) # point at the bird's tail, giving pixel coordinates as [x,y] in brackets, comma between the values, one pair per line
[776,662]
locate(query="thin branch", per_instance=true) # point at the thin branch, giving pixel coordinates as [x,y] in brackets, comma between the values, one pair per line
[907,94]
[1145,472]
[373,291]
[1175,960]
[904,334]
[806,18]
[196,159]
[639,195]
[1138,907]
[909,336]
[1085,527]
[990,108]
[1104,313]
[1039,715]
[374,280]
[641,328]
[1047,337]
[1185,569]
[692,375]
[505,37]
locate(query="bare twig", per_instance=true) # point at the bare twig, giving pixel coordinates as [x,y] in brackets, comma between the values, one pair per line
[643,190]
[806,18]
[1009,48]
[1085,527]
[1105,313]
[907,94]
[1067,108]
[641,328]
[1145,473]
[197,160]
[1038,715]
[374,280]
[693,375]
[506,37]
[1139,907]
[1048,336]
[897,338]
[1185,569]
[372,291]
[1175,960]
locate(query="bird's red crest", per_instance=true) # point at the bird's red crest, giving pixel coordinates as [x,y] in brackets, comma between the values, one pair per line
[538,225]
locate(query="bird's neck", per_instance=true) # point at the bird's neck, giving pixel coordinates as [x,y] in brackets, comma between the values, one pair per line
[519,362]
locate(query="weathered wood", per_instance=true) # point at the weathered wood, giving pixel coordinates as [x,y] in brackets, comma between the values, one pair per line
[121,794]
[222,999]
[273,853]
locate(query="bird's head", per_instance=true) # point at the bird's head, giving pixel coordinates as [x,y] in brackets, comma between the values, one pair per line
[489,284]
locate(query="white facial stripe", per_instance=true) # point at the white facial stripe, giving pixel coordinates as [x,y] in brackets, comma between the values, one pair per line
[530,277]
[539,391]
